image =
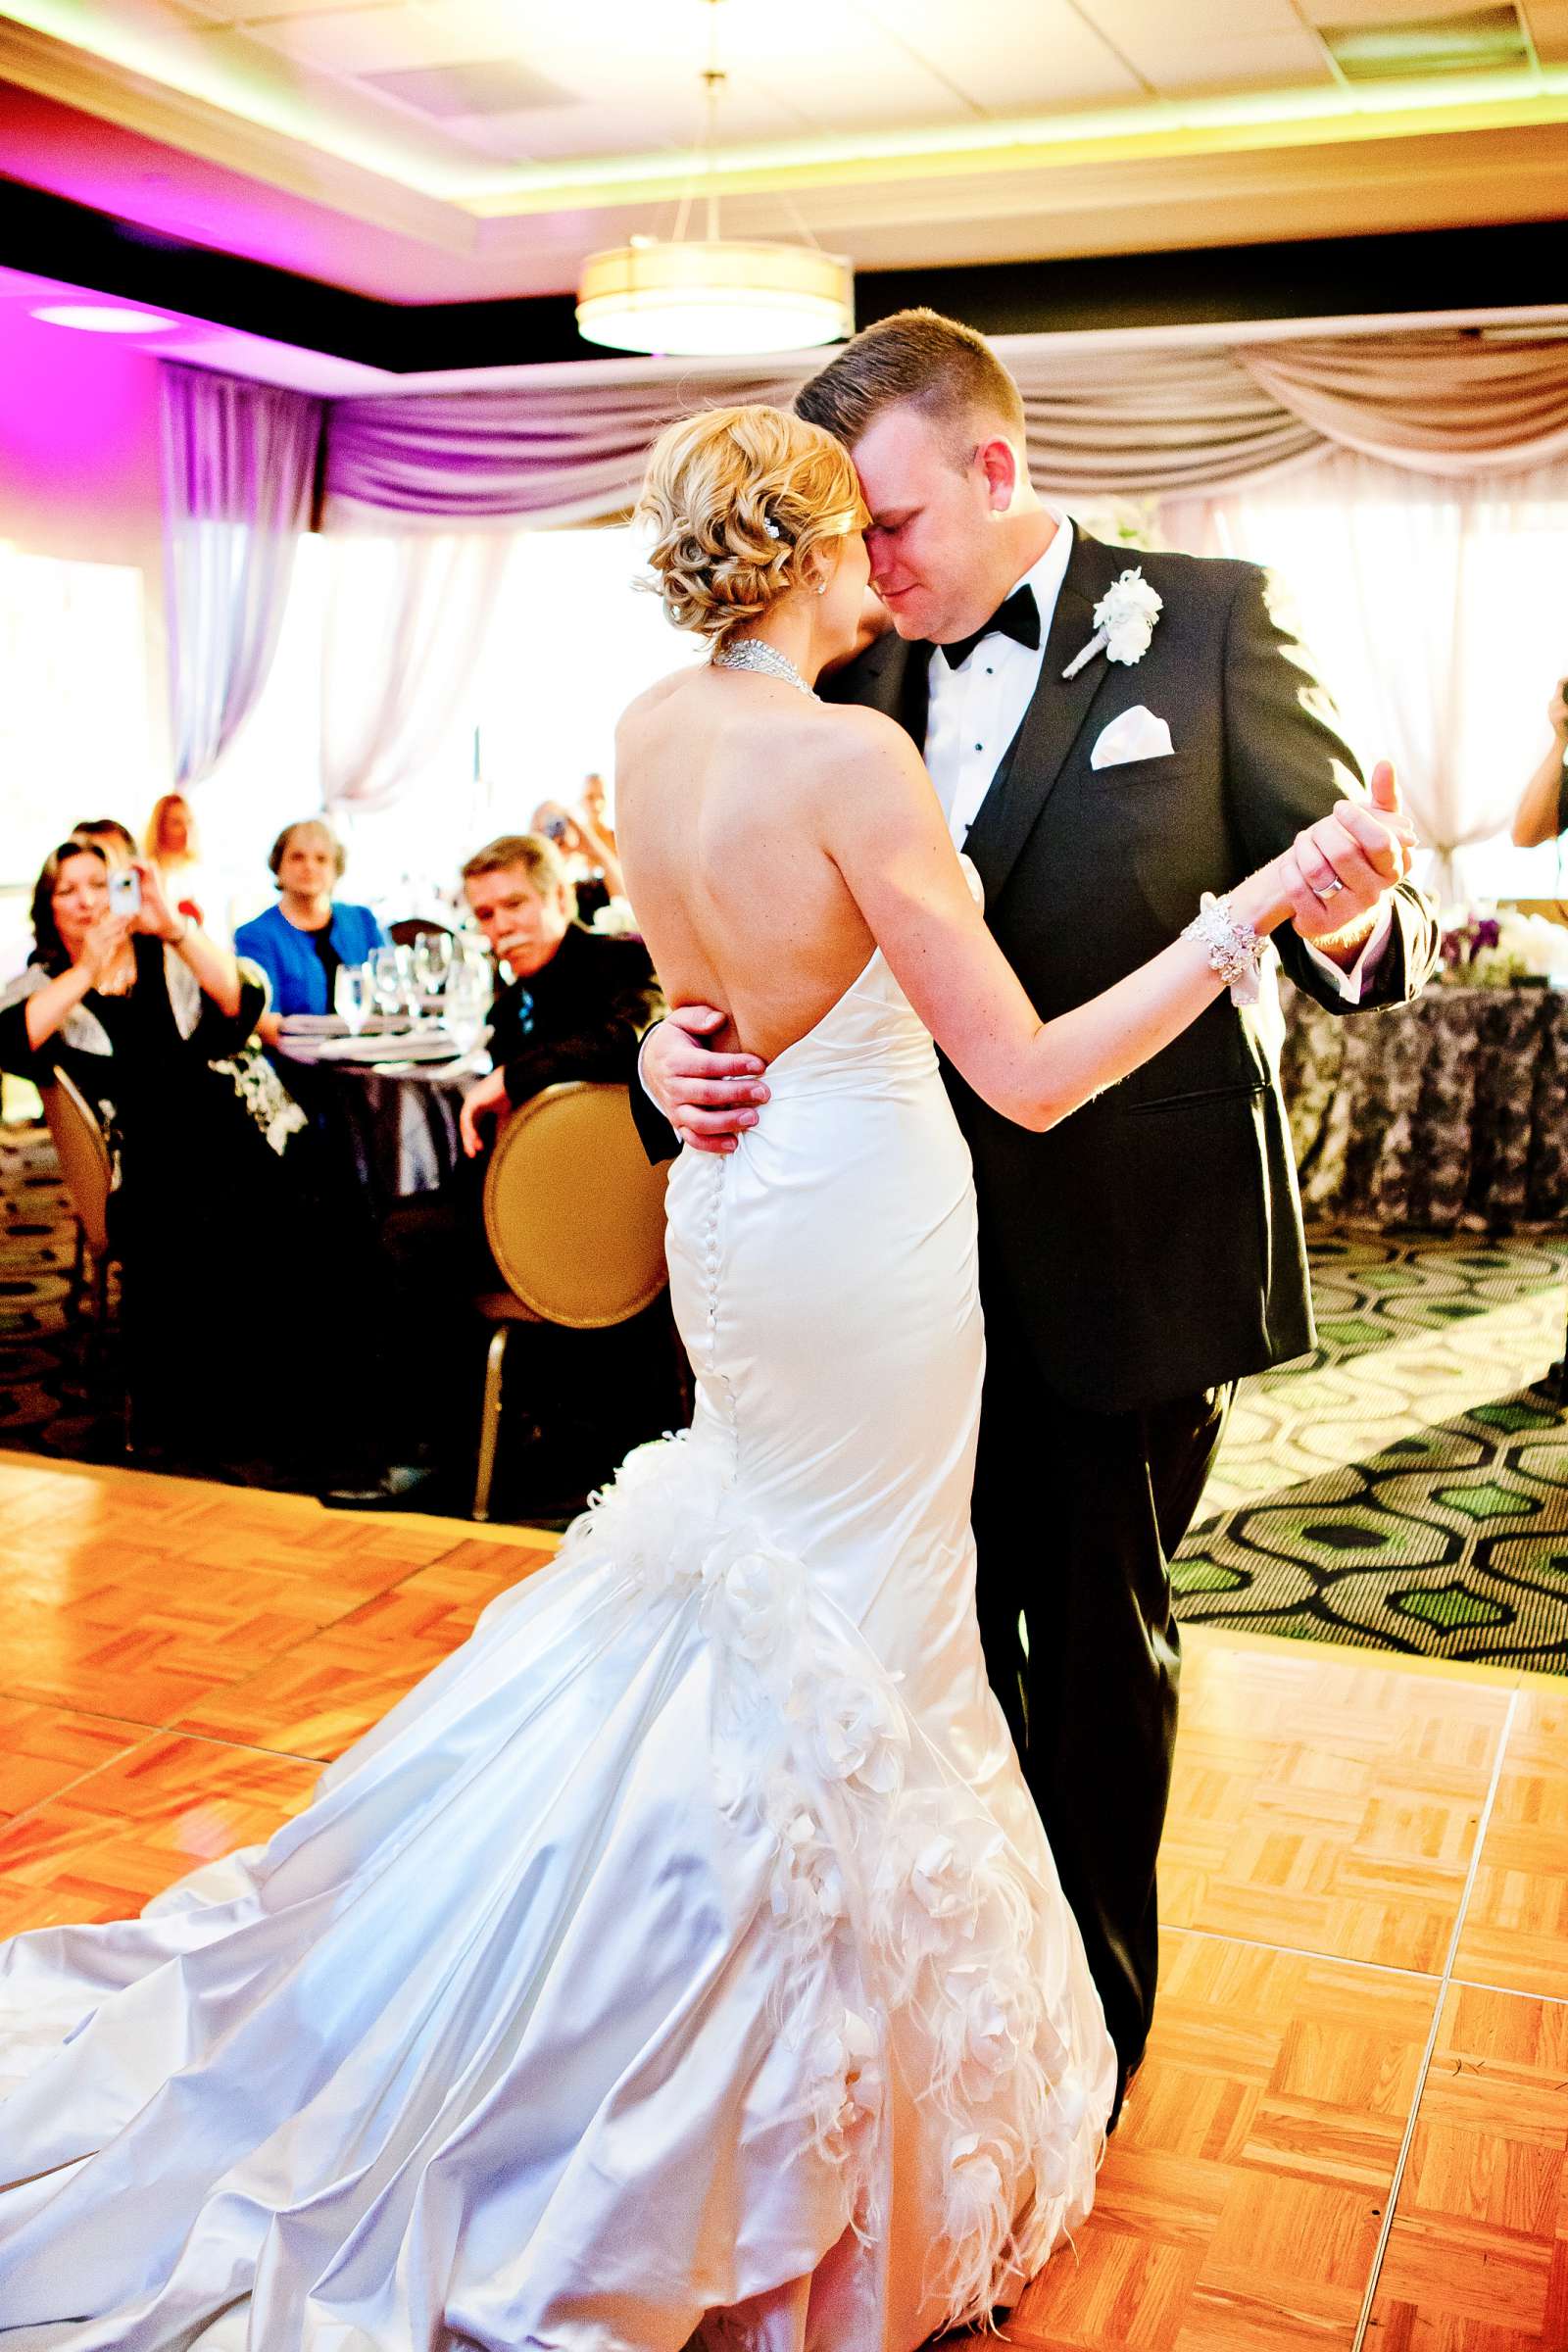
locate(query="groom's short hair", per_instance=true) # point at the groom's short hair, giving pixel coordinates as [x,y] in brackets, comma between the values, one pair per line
[917,360]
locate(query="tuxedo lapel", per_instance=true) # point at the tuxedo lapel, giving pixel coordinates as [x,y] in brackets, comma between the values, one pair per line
[1050,725]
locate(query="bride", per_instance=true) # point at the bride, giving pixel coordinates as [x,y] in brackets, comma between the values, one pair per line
[682,1962]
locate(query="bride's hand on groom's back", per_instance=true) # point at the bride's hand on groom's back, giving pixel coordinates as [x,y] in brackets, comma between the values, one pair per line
[707,1098]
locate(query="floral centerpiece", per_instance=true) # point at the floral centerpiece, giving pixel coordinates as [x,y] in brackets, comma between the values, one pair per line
[1501,949]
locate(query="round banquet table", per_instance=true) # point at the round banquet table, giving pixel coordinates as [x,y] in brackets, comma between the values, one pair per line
[1448,1112]
[398,1122]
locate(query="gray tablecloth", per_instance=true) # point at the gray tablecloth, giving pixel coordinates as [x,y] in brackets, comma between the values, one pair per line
[401,1126]
[1448,1112]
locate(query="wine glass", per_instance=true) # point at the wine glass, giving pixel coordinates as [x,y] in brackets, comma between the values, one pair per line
[386,980]
[432,960]
[351,996]
[468,997]
[410,988]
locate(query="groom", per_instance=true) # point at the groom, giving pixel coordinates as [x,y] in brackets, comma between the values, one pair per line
[1139,1257]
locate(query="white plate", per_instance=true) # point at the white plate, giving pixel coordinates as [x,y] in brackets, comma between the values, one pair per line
[411,1045]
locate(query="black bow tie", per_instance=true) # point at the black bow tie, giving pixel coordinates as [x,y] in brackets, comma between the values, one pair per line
[1018,618]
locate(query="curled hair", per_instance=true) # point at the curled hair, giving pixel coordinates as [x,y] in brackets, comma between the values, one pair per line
[49,949]
[737,499]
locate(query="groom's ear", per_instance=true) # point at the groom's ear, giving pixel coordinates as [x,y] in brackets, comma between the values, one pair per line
[998,460]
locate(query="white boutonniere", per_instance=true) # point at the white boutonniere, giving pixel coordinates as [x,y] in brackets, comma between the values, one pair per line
[1124,623]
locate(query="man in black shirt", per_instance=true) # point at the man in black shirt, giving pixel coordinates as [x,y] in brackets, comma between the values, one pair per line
[577,1005]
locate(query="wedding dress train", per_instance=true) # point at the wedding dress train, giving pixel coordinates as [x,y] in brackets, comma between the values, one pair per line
[682,1962]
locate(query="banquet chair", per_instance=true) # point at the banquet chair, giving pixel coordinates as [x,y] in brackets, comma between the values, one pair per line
[84,1170]
[410,927]
[574,1215]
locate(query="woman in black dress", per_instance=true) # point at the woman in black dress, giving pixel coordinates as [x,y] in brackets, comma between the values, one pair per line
[212,1186]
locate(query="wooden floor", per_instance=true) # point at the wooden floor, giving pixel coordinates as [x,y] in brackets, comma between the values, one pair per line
[1352,2125]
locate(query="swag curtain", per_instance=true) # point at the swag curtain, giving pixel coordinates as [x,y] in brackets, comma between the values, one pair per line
[568,445]
[238,469]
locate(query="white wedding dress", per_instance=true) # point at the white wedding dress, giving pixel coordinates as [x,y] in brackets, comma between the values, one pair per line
[682,1962]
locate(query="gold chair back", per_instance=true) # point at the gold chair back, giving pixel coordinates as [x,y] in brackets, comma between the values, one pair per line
[573,1211]
[83,1157]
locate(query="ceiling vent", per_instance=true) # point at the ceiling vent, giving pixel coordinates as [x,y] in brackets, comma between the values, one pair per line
[1483,40]
[496,85]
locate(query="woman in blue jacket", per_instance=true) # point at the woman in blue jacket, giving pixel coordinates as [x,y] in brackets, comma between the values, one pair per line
[301,942]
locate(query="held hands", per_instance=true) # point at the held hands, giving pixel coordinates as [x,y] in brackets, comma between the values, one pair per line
[1337,871]
[486,1100]
[706,1098]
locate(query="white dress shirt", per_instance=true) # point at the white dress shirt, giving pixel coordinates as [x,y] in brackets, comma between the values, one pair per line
[974,711]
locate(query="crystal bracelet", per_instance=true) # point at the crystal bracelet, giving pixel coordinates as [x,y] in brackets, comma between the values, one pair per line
[1232,946]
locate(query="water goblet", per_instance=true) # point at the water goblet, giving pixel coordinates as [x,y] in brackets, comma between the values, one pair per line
[387,979]
[350,997]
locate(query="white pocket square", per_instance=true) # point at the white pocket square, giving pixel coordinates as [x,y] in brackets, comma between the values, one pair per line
[1136,735]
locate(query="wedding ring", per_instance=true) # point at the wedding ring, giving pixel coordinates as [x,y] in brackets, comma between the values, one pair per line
[1328,890]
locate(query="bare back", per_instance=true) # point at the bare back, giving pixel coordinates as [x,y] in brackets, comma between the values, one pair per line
[722,785]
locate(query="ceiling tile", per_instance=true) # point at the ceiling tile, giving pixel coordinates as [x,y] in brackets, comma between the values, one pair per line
[572,133]
[1036,55]
[1213,44]
[498,87]
[1291,61]
[364,40]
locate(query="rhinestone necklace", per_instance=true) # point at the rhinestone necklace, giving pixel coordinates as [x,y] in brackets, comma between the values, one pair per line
[753,652]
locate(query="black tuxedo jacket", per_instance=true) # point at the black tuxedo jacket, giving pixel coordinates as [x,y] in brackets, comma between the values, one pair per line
[1152,1245]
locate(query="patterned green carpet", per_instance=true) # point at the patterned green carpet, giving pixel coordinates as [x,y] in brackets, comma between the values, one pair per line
[1406,1487]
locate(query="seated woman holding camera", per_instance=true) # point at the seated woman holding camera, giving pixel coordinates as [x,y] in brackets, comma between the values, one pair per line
[151,1019]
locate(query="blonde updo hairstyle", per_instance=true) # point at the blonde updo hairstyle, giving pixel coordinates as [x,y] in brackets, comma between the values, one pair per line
[737,499]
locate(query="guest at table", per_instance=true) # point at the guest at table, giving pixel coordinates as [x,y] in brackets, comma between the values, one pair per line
[1542,813]
[301,942]
[106,833]
[577,1005]
[169,847]
[151,1019]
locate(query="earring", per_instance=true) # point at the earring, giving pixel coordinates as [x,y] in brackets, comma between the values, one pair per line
[822,587]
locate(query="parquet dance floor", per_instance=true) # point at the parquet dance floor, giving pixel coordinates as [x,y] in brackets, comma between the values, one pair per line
[1352,2127]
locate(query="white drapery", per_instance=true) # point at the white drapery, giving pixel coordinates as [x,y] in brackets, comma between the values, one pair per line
[1103,418]
[406,627]
[240,467]
[1436,611]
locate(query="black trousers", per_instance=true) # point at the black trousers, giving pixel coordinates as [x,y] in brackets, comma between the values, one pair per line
[1076,1516]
